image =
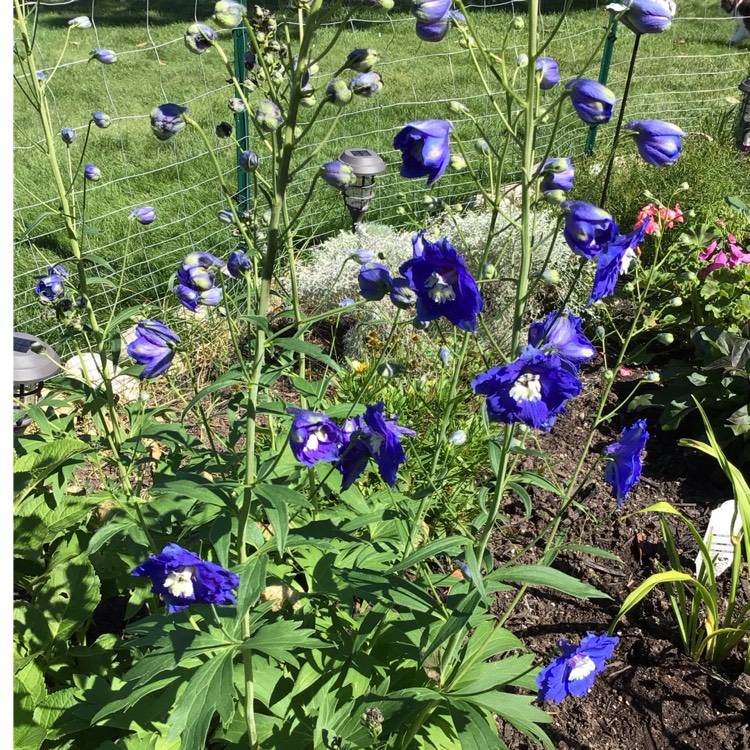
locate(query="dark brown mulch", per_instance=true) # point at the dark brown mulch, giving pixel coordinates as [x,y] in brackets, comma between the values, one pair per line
[652,695]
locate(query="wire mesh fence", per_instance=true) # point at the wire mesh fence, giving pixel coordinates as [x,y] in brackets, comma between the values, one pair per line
[687,75]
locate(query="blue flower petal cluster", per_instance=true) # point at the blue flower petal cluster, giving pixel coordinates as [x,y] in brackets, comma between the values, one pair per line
[239,262]
[425,148]
[197,277]
[550,75]
[562,334]
[592,101]
[143,215]
[442,283]
[105,56]
[434,18]
[532,390]
[374,281]
[613,261]
[199,38]
[68,135]
[645,16]
[314,437]
[101,120]
[92,173]
[51,287]
[625,465]
[574,672]
[154,346]
[556,176]
[588,229]
[167,120]
[659,143]
[182,579]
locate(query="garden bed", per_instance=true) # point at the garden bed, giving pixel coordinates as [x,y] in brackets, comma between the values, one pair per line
[652,695]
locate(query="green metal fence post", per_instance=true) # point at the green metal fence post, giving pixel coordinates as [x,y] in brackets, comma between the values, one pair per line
[241,122]
[609,47]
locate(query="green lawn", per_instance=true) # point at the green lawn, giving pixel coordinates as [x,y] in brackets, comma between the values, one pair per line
[686,75]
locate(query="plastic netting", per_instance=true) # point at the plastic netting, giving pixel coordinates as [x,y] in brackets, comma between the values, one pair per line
[687,75]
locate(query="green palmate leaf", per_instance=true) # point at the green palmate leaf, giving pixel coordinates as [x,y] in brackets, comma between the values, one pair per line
[279,639]
[390,588]
[281,494]
[252,574]
[455,624]
[518,710]
[113,528]
[132,695]
[278,516]
[511,670]
[308,349]
[210,690]
[31,469]
[448,546]
[68,597]
[542,575]
[476,729]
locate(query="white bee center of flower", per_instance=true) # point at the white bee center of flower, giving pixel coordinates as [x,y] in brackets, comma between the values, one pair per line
[315,438]
[376,442]
[179,582]
[581,666]
[627,259]
[526,388]
[440,288]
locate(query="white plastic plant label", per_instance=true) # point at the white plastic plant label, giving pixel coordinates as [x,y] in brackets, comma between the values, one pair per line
[721,549]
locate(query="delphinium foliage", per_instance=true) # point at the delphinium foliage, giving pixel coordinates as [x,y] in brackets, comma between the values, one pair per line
[278,579]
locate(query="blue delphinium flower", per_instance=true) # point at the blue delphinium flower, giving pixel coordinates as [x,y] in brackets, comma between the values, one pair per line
[588,229]
[457,438]
[68,135]
[659,143]
[372,436]
[531,390]
[366,84]
[92,173]
[592,101]
[197,278]
[556,176]
[550,75]
[199,38]
[645,16]
[625,465]
[425,148]
[362,256]
[401,294]
[154,346]
[51,287]
[182,579]
[101,120]
[574,672]
[374,281]
[434,18]
[249,161]
[239,263]
[41,75]
[143,215]
[561,334]
[346,302]
[444,353]
[337,174]
[443,284]
[314,437]
[105,56]
[167,120]
[614,261]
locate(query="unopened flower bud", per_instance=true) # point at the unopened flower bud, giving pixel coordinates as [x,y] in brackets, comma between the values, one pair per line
[458,108]
[101,120]
[68,135]
[555,197]
[338,92]
[105,56]
[236,105]
[489,271]
[457,438]
[482,146]
[362,60]
[224,130]
[367,84]
[665,338]
[608,375]
[651,377]
[337,174]
[248,161]
[675,302]
[517,23]
[550,276]
[228,15]
[402,295]
[389,370]
[80,22]
[92,173]
[458,162]
[599,332]
[684,186]
[522,60]
[444,353]
[268,115]
[199,38]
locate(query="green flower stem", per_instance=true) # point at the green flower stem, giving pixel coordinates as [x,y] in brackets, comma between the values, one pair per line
[320,145]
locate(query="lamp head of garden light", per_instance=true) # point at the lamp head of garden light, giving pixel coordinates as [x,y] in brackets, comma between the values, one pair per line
[366,165]
[34,362]
[743,124]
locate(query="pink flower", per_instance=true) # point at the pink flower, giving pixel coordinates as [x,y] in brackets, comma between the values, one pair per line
[645,215]
[737,255]
[709,251]
[721,259]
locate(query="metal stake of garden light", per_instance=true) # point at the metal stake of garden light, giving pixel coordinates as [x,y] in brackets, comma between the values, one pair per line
[367,165]
[743,123]
[33,363]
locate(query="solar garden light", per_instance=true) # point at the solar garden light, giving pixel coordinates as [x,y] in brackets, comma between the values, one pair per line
[743,124]
[366,165]
[34,362]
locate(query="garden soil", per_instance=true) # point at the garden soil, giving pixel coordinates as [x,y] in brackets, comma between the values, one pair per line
[652,696]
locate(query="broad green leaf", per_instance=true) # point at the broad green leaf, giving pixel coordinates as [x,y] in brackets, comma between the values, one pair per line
[455,624]
[279,639]
[542,575]
[252,575]
[231,377]
[211,689]
[41,463]
[494,674]
[68,597]
[449,545]
[476,730]
[282,494]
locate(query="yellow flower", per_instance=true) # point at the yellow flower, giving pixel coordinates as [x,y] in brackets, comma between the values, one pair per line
[358,366]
